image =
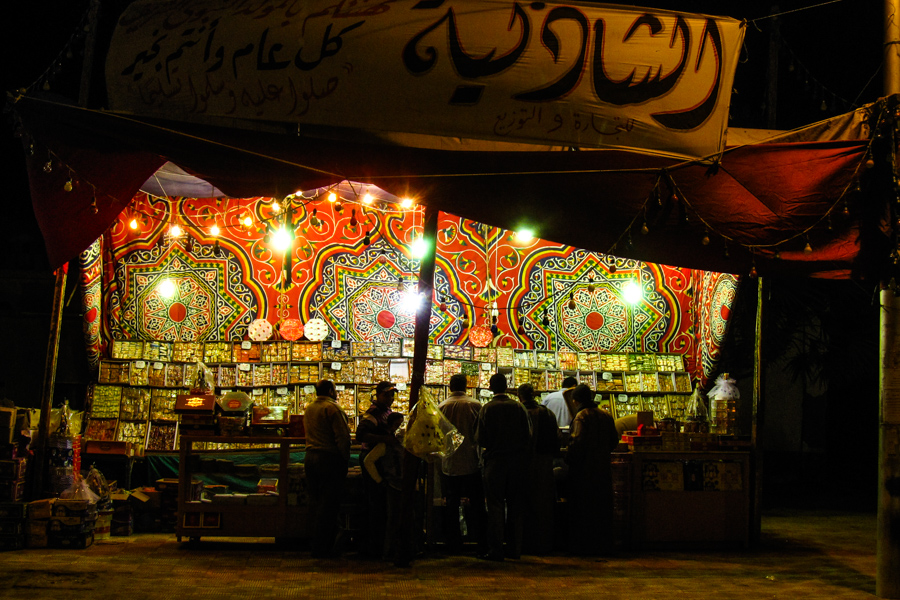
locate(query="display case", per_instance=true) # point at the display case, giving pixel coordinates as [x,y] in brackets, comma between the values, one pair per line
[269,515]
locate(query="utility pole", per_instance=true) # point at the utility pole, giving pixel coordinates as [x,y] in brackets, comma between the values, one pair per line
[887,578]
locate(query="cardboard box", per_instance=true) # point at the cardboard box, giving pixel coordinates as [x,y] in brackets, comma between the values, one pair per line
[41,509]
[75,541]
[12,542]
[74,508]
[12,491]
[7,436]
[195,404]
[12,527]
[7,418]
[13,510]
[271,415]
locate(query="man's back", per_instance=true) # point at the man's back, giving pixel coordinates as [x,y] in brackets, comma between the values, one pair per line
[462,411]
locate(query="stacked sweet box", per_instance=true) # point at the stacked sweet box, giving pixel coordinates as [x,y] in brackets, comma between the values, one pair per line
[12,479]
[37,524]
[72,524]
[12,525]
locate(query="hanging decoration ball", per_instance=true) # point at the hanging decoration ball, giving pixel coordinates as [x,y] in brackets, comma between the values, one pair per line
[465,322]
[68,186]
[481,336]
[291,329]
[613,268]
[521,329]
[705,239]
[315,330]
[753,273]
[353,221]
[443,307]
[495,330]
[260,330]
[571,304]
[644,229]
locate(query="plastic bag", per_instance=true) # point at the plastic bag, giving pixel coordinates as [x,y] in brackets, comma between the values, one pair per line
[97,483]
[205,381]
[696,407]
[79,490]
[724,389]
[430,434]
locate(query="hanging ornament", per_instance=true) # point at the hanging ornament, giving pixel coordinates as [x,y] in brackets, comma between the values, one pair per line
[613,268]
[217,250]
[353,221]
[368,238]
[399,284]
[68,186]
[480,336]
[443,307]
[753,274]
[291,329]
[705,239]
[807,248]
[259,330]
[590,287]
[545,321]
[495,331]
[571,304]
[315,330]
[465,322]
[644,229]
[521,328]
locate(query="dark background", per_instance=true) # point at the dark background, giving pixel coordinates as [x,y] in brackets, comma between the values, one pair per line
[820,341]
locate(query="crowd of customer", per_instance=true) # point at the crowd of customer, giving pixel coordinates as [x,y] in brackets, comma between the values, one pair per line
[501,486]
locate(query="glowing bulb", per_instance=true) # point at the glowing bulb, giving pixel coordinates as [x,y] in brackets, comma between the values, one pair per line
[214,230]
[632,293]
[367,199]
[166,288]
[411,302]
[419,247]
[406,203]
[175,231]
[525,235]
[275,206]
[248,221]
[133,224]
[332,197]
[281,239]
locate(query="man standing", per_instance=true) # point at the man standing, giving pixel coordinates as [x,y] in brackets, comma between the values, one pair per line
[371,431]
[327,458]
[558,403]
[503,431]
[461,471]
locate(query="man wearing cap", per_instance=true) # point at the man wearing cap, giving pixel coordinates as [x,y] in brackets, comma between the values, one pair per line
[327,458]
[371,431]
[503,431]
[559,402]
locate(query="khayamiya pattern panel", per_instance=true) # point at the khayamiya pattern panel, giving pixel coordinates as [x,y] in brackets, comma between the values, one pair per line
[483,276]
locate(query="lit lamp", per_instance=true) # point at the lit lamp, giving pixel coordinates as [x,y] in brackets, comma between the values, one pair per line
[166,288]
[632,293]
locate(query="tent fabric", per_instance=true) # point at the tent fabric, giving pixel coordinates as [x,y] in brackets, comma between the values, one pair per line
[759,206]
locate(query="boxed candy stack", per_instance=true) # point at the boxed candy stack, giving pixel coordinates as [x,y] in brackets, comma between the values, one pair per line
[72,524]
[12,525]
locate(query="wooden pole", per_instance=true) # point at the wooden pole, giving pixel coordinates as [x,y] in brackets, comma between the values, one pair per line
[758,418]
[43,436]
[887,576]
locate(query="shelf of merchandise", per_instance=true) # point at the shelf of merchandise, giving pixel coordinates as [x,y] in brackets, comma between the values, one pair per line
[136,387]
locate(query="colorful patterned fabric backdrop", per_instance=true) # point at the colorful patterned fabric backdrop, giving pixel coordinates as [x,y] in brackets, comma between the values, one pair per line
[352,265]
[91,264]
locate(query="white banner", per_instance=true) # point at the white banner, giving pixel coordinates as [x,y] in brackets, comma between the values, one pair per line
[568,74]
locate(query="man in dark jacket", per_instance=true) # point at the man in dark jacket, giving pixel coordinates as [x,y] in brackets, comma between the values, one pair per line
[503,432]
[540,487]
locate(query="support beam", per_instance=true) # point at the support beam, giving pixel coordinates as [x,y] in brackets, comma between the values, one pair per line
[758,417]
[40,445]
[887,554]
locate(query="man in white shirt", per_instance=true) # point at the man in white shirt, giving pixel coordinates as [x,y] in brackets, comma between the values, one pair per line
[557,404]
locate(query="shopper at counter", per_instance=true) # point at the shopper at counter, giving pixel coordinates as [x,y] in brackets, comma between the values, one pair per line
[540,487]
[589,481]
[503,432]
[326,463]
[373,430]
[461,471]
[559,405]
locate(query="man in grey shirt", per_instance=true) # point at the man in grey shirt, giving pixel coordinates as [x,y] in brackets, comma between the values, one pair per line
[461,471]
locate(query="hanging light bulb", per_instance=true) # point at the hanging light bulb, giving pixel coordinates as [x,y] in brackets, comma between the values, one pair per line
[632,293]
[133,223]
[406,203]
[282,239]
[545,321]
[753,274]
[521,328]
[313,219]
[368,238]
[166,288]
[705,239]
[591,287]
[644,229]
[332,197]
[248,221]
[367,199]
[339,206]
[175,231]
[214,230]
[68,185]
[613,268]
[807,248]
[399,283]
[495,330]
[275,206]
[525,235]
[353,221]
[419,247]
[571,304]
[465,322]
